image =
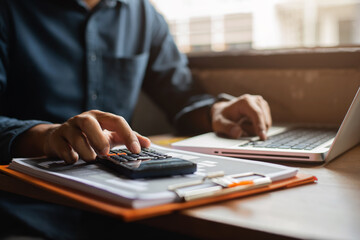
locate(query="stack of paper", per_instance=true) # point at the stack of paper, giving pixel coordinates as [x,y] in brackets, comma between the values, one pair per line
[100,182]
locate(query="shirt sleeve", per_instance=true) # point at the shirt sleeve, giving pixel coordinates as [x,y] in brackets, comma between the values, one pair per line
[10,128]
[3,47]
[168,80]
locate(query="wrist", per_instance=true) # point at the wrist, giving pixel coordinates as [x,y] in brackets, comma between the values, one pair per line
[219,103]
[31,142]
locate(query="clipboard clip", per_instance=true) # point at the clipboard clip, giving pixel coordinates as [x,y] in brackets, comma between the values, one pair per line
[216,184]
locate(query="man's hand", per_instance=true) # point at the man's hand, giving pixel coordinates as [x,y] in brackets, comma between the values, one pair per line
[242,116]
[84,136]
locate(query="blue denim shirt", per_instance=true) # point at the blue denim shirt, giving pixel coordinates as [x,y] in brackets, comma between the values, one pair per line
[59,59]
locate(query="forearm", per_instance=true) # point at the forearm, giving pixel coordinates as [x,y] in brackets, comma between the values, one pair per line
[195,119]
[31,142]
[200,120]
[10,130]
[195,122]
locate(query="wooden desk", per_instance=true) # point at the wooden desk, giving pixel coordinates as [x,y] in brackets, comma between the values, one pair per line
[329,209]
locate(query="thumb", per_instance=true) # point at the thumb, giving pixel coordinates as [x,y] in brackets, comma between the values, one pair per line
[227,127]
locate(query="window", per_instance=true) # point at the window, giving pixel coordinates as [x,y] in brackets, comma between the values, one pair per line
[225,25]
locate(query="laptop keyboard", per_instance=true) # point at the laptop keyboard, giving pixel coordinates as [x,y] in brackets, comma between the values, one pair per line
[298,138]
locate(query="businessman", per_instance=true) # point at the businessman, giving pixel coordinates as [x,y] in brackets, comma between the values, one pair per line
[71,72]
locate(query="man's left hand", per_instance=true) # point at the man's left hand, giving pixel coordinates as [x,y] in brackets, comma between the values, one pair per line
[242,116]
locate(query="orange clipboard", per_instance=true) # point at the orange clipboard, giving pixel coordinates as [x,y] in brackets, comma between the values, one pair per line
[129,214]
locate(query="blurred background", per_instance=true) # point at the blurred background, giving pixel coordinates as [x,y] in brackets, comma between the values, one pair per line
[227,25]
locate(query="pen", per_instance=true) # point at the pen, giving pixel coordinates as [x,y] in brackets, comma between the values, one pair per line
[234,184]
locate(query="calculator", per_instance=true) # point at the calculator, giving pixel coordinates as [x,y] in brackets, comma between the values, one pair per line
[146,164]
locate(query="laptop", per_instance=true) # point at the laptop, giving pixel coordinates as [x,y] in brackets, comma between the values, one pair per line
[285,142]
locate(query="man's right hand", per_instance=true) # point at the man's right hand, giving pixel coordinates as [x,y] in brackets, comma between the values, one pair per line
[84,136]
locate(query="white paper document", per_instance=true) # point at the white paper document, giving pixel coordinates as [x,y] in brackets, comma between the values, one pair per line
[102,182]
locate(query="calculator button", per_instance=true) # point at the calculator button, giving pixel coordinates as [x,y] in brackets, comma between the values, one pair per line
[144,158]
[117,158]
[129,158]
[145,154]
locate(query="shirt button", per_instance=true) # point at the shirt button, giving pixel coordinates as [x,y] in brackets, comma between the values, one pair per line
[93,57]
[94,96]
[110,3]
